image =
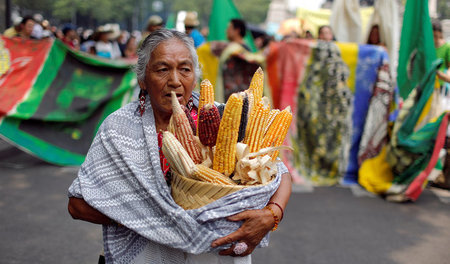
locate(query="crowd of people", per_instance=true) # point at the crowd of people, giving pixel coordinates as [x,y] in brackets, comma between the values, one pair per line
[109,41]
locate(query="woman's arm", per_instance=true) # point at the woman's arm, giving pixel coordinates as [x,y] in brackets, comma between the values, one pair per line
[444,76]
[79,209]
[257,223]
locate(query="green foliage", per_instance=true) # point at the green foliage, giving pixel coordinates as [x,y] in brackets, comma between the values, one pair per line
[202,7]
[252,11]
[443,9]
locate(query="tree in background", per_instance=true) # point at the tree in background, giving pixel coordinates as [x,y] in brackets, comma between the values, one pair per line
[134,13]
[253,11]
[443,9]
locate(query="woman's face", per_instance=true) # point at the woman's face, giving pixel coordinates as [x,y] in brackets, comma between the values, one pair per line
[326,34]
[28,27]
[374,36]
[170,69]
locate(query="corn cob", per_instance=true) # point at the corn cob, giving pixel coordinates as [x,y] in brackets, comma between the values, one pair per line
[190,119]
[176,155]
[278,130]
[183,131]
[255,128]
[257,84]
[270,117]
[206,174]
[251,101]
[225,154]
[208,124]
[206,95]
[244,117]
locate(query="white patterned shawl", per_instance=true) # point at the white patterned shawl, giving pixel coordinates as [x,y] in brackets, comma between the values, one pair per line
[122,178]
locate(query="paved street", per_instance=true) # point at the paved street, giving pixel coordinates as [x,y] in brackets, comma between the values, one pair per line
[321,225]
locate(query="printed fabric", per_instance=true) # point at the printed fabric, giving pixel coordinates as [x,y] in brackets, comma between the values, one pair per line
[322,124]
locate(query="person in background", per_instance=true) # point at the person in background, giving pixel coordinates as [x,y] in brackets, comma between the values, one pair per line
[308,35]
[46,32]
[325,33]
[130,50]
[236,32]
[88,43]
[205,32]
[122,41]
[262,41]
[190,25]
[15,29]
[154,23]
[57,32]
[374,36]
[103,46]
[71,37]
[37,28]
[442,52]
[26,27]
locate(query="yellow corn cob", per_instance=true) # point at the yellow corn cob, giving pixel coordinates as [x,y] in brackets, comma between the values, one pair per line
[206,174]
[270,118]
[225,154]
[206,95]
[278,130]
[183,131]
[257,84]
[176,155]
[255,127]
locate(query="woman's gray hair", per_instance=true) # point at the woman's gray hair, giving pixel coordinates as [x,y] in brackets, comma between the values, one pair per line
[153,40]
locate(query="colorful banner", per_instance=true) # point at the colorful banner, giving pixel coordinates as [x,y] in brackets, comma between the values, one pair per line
[335,117]
[56,98]
[312,19]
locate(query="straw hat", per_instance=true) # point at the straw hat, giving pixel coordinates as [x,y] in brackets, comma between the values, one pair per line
[154,20]
[191,19]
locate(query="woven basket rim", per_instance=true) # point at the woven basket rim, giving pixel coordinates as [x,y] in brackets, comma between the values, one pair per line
[238,187]
[192,194]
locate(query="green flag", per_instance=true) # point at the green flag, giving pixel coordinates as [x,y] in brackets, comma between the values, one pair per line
[222,12]
[417,50]
[171,21]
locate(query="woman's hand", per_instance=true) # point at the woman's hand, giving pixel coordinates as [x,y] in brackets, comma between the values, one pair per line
[257,223]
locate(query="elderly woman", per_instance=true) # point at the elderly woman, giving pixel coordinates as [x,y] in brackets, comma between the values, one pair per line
[123,182]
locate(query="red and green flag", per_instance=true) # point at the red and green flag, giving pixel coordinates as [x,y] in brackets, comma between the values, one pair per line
[54,99]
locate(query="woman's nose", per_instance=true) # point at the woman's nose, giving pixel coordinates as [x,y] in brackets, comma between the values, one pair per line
[174,79]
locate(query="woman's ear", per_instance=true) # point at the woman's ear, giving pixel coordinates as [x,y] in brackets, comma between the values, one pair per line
[142,84]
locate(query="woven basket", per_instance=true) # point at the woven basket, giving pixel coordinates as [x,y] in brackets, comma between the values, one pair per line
[193,194]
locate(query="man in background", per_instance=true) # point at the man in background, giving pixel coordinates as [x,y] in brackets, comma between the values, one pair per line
[190,25]
[442,52]
[236,32]
[26,27]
